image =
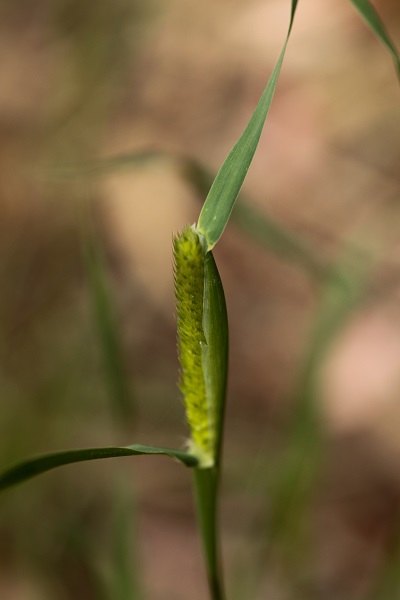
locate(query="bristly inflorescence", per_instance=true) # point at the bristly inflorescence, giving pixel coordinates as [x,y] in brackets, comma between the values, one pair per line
[189,256]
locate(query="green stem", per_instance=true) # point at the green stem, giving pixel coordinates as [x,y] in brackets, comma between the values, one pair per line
[206,489]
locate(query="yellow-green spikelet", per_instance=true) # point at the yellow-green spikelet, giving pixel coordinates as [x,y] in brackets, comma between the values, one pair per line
[189,257]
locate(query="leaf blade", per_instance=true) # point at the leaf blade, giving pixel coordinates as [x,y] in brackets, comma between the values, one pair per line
[259,227]
[373,20]
[105,323]
[32,467]
[219,203]
[215,351]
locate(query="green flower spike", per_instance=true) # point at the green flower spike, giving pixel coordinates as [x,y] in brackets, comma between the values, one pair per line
[202,343]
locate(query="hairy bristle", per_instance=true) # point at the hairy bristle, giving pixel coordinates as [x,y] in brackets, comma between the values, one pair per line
[189,289]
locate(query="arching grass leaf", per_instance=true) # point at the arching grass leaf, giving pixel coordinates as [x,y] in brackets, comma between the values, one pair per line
[105,322]
[371,17]
[35,466]
[259,227]
[225,189]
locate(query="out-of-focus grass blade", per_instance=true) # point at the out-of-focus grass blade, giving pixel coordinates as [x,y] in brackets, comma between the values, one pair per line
[297,471]
[125,581]
[104,316]
[278,240]
[75,540]
[40,464]
[100,167]
[113,568]
[263,230]
[371,17]
[225,189]
[387,585]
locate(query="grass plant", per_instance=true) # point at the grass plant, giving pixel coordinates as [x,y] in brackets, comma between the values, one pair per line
[203,347]
[103,310]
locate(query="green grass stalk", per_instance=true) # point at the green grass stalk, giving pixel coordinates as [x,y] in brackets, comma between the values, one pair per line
[203,355]
[206,483]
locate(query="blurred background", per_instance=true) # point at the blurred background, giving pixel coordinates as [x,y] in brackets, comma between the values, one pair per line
[114,117]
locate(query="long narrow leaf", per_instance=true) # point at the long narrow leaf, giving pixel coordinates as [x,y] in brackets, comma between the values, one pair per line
[278,240]
[371,17]
[35,466]
[100,167]
[225,189]
[298,469]
[126,581]
[105,322]
[257,226]
[215,350]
